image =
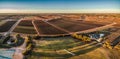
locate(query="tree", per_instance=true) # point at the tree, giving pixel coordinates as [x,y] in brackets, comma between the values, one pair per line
[82,37]
[18,35]
[107,45]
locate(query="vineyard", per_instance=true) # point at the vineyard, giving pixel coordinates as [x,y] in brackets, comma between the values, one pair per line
[47,29]
[53,27]
[26,23]
[62,38]
[25,26]
[6,26]
[74,26]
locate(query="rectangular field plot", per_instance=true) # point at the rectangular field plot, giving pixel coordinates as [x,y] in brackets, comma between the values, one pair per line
[26,27]
[25,23]
[47,29]
[90,23]
[74,26]
[6,26]
[26,30]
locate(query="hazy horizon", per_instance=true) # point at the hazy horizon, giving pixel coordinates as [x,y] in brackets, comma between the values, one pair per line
[59,6]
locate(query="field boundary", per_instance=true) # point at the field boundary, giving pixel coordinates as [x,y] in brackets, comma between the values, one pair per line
[79,32]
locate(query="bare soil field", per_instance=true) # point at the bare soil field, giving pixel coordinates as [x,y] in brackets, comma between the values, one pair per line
[74,26]
[47,29]
[6,26]
[25,30]
[26,27]
[68,22]
[25,23]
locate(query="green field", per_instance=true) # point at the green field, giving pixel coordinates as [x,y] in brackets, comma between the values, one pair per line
[53,48]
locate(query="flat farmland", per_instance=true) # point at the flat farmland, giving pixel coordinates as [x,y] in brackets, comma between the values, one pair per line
[54,48]
[25,30]
[2,22]
[47,29]
[74,26]
[25,23]
[26,27]
[6,26]
[60,26]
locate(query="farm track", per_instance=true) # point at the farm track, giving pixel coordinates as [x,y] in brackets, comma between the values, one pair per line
[36,28]
[13,27]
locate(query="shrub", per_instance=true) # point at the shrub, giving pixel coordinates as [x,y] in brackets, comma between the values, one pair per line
[81,37]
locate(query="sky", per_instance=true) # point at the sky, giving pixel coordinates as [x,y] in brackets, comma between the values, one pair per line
[59,6]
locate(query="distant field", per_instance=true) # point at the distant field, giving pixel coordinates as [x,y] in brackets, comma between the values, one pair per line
[6,26]
[60,26]
[74,26]
[26,27]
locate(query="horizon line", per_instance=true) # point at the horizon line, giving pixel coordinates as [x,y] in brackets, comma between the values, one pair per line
[61,13]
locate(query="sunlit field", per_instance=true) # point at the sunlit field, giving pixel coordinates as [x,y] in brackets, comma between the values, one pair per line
[54,48]
[61,36]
